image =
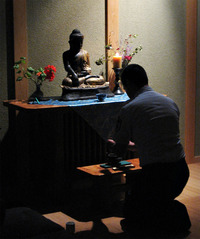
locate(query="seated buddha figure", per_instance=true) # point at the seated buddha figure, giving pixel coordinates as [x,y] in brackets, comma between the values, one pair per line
[77,64]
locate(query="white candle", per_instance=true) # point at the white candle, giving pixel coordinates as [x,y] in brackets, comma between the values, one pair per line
[117,61]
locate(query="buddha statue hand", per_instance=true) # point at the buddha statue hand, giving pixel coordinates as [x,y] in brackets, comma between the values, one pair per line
[94,80]
[75,80]
[87,80]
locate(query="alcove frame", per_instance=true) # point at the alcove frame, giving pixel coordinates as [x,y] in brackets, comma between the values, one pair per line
[112,24]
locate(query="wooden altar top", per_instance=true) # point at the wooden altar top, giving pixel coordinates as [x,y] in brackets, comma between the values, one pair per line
[54,103]
[24,105]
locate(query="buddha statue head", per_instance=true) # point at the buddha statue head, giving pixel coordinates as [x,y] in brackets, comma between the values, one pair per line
[76,40]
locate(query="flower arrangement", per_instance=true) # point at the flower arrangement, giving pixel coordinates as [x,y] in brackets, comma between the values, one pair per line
[37,76]
[125,49]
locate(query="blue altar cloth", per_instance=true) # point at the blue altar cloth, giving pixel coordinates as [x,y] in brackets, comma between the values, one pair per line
[75,103]
[101,116]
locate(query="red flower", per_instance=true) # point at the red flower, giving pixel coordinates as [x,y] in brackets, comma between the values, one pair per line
[49,71]
[128,58]
[39,73]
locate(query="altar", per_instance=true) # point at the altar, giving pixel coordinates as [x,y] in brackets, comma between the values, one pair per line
[49,139]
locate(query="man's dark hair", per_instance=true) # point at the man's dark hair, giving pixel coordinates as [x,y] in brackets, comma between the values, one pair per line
[135,75]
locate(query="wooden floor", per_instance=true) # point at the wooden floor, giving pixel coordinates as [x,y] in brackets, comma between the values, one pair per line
[110,227]
[191,198]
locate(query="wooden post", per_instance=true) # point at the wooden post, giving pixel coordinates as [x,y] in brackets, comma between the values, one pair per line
[20,44]
[190,84]
[112,34]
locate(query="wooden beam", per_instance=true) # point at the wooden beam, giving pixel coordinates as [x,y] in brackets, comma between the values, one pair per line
[112,33]
[20,44]
[190,85]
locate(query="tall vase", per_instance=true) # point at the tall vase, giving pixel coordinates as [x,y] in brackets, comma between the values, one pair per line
[37,94]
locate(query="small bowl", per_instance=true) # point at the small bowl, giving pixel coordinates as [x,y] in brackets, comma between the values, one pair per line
[101,96]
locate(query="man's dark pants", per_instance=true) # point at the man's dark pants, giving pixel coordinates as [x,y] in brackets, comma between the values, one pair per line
[150,204]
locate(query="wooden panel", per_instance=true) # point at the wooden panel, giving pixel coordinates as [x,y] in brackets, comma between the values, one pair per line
[47,144]
[190,85]
[112,33]
[20,43]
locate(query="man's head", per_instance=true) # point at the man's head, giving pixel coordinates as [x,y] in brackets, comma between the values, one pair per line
[76,40]
[133,78]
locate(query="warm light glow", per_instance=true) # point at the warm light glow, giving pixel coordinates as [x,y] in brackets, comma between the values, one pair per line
[117,61]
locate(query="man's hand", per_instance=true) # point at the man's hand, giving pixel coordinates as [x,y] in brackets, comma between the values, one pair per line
[111,142]
[131,145]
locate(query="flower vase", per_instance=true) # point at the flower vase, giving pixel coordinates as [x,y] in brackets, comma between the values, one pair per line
[37,94]
[125,63]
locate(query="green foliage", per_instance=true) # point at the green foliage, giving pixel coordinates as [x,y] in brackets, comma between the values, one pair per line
[30,69]
[37,76]
[126,49]
[19,78]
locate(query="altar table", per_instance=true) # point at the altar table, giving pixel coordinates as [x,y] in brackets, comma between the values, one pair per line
[47,142]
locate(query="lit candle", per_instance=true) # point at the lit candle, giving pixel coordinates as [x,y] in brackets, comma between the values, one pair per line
[117,61]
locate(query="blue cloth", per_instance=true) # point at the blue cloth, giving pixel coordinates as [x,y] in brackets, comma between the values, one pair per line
[75,103]
[101,116]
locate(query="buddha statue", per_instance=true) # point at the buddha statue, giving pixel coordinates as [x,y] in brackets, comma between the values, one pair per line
[77,65]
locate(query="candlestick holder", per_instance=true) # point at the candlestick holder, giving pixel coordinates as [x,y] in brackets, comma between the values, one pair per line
[117,90]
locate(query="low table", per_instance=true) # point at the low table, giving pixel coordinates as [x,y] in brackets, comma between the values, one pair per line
[97,170]
[109,185]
